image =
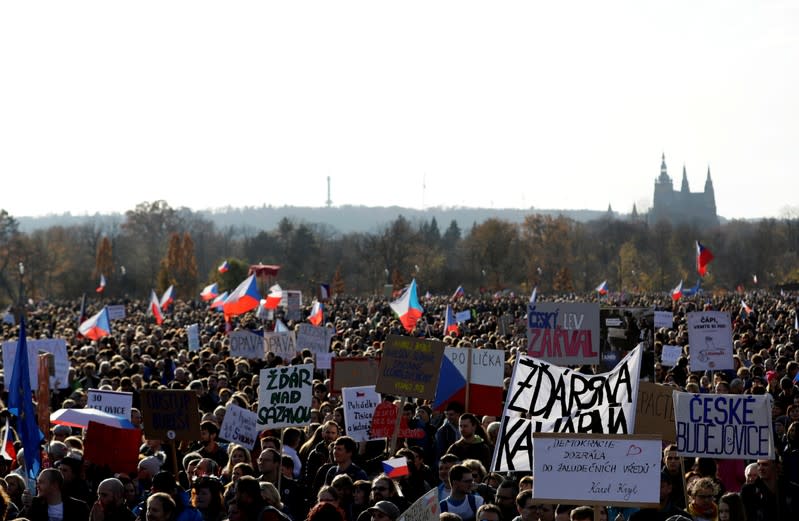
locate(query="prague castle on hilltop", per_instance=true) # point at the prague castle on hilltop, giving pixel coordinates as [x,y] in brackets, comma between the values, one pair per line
[683,206]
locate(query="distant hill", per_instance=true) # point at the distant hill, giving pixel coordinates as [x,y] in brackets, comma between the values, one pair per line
[344,219]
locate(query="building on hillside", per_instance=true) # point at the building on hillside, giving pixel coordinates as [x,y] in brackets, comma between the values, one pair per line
[682,206]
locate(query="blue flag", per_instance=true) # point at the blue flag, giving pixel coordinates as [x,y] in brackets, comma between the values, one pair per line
[20,404]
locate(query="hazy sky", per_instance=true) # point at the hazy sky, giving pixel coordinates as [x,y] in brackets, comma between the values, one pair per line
[105,104]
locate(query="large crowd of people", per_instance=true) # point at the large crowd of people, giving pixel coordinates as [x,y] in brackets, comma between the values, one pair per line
[316,472]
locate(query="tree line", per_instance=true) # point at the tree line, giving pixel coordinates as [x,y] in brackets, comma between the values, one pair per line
[156,245]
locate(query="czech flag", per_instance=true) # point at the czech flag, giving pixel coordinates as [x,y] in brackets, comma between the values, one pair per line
[155,308]
[242,299]
[97,326]
[458,293]
[747,309]
[450,324]
[534,295]
[676,293]
[219,301]
[168,297]
[274,297]
[408,308]
[223,267]
[324,292]
[101,287]
[210,292]
[703,258]
[602,289]
[396,467]
[7,451]
[317,313]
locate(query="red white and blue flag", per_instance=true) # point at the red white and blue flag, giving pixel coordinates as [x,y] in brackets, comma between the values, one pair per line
[396,467]
[210,292]
[676,293]
[450,323]
[602,289]
[317,313]
[274,297]
[101,286]
[243,299]
[746,307]
[219,301]
[703,258]
[97,326]
[7,451]
[458,293]
[324,292]
[224,267]
[534,295]
[168,297]
[155,308]
[407,307]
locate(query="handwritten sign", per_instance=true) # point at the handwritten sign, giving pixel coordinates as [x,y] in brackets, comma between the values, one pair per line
[563,333]
[292,301]
[239,426]
[247,344]
[655,411]
[597,470]
[547,398]
[316,339]
[284,396]
[112,402]
[724,426]
[116,311]
[170,414]
[410,367]
[670,355]
[55,346]
[359,407]
[384,420]
[282,344]
[193,333]
[423,509]
[710,340]
[353,372]
[664,319]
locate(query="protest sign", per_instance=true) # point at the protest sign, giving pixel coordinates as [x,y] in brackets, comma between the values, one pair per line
[670,355]
[324,360]
[486,373]
[113,447]
[193,333]
[664,319]
[112,402]
[557,399]
[563,333]
[724,426]
[352,372]
[384,420]
[8,318]
[239,426]
[505,324]
[282,344]
[359,407]
[247,344]
[316,339]
[410,367]
[710,340]
[426,508]
[597,470]
[116,311]
[284,396]
[55,346]
[463,316]
[655,411]
[292,301]
[170,414]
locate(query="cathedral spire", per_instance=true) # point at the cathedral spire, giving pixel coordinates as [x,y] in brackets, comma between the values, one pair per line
[708,181]
[684,187]
[664,173]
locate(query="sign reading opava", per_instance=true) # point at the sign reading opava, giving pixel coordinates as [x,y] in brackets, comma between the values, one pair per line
[239,426]
[410,367]
[316,339]
[170,414]
[247,344]
[597,469]
[724,426]
[563,333]
[281,343]
[112,402]
[710,340]
[284,396]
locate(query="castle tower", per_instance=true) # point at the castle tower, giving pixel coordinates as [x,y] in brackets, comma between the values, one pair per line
[664,174]
[684,188]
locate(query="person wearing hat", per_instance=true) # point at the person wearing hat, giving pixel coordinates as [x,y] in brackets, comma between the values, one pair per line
[384,510]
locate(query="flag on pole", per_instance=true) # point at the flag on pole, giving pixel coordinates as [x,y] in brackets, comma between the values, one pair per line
[155,308]
[224,267]
[167,298]
[324,292]
[459,292]
[690,292]
[209,292]
[219,301]
[703,258]
[97,326]
[602,289]
[396,467]
[317,313]
[534,295]
[407,307]
[676,293]
[101,286]
[747,309]
[243,299]
[7,451]
[20,404]
[274,297]
[450,323]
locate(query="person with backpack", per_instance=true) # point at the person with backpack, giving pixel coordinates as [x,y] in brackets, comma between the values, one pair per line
[462,500]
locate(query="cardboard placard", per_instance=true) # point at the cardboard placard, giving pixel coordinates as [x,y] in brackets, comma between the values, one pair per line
[410,367]
[116,448]
[655,411]
[239,426]
[353,372]
[112,402]
[170,414]
[284,396]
